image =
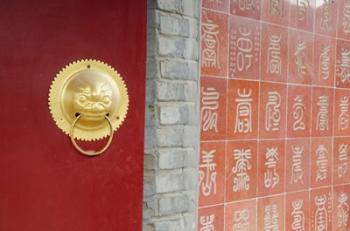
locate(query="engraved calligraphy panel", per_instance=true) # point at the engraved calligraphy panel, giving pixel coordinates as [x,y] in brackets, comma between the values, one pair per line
[214,37]
[213,108]
[301,66]
[272,117]
[241,162]
[242,121]
[342,76]
[343,27]
[211,173]
[275,11]
[321,209]
[321,161]
[341,160]
[297,211]
[271,213]
[241,216]
[297,164]
[244,56]
[302,14]
[322,111]
[211,218]
[342,112]
[274,53]
[219,5]
[326,17]
[341,208]
[324,59]
[246,8]
[299,111]
[271,167]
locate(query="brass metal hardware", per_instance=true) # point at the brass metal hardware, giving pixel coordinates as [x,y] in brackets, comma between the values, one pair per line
[84,95]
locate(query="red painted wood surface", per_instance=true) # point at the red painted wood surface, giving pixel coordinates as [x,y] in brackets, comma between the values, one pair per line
[45,185]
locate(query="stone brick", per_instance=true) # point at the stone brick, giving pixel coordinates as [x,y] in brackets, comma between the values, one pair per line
[169,182]
[169,136]
[176,91]
[175,25]
[176,113]
[177,47]
[171,158]
[175,69]
[170,225]
[172,204]
[174,6]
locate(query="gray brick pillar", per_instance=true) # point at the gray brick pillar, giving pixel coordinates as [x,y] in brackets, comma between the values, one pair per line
[172,116]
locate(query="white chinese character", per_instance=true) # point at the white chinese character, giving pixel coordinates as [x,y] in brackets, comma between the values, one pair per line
[211,44]
[207,173]
[325,15]
[322,120]
[325,62]
[245,47]
[241,178]
[271,176]
[245,5]
[273,113]
[297,168]
[343,210]
[271,218]
[321,213]
[298,216]
[302,9]
[209,110]
[300,57]
[274,62]
[346,16]
[322,163]
[276,7]
[207,223]
[243,122]
[343,120]
[298,113]
[344,65]
[241,220]
[343,156]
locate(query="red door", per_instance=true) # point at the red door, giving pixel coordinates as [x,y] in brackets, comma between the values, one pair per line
[45,184]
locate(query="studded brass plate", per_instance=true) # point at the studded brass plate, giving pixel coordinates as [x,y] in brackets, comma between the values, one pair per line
[89,90]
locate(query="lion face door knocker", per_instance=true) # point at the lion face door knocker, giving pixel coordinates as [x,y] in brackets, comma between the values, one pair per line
[88,101]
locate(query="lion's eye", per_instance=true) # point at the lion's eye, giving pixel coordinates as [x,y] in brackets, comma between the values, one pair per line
[82,98]
[106,99]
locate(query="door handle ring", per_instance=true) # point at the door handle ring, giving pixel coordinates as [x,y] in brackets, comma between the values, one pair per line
[91,152]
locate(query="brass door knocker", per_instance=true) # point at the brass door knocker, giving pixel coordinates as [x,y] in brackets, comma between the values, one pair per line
[88,101]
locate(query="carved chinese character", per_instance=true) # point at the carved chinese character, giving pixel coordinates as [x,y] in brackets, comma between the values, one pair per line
[243,120]
[343,210]
[274,62]
[209,110]
[273,111]
[343,156]
[344,66]
[303,7]
[321,163]
[298,113]
[207,173]
[322,120]
[346,16]
[298,216]
[321,213]
[271,218]
[276,7]
[300,57]
[325,62]
[343,119]
[241,178]
[297,169]
[271,176]
[325,15]
[211,44]
[241,220]
[207,223]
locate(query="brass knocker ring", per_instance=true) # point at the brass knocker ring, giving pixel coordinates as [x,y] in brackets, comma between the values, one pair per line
[91,152]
